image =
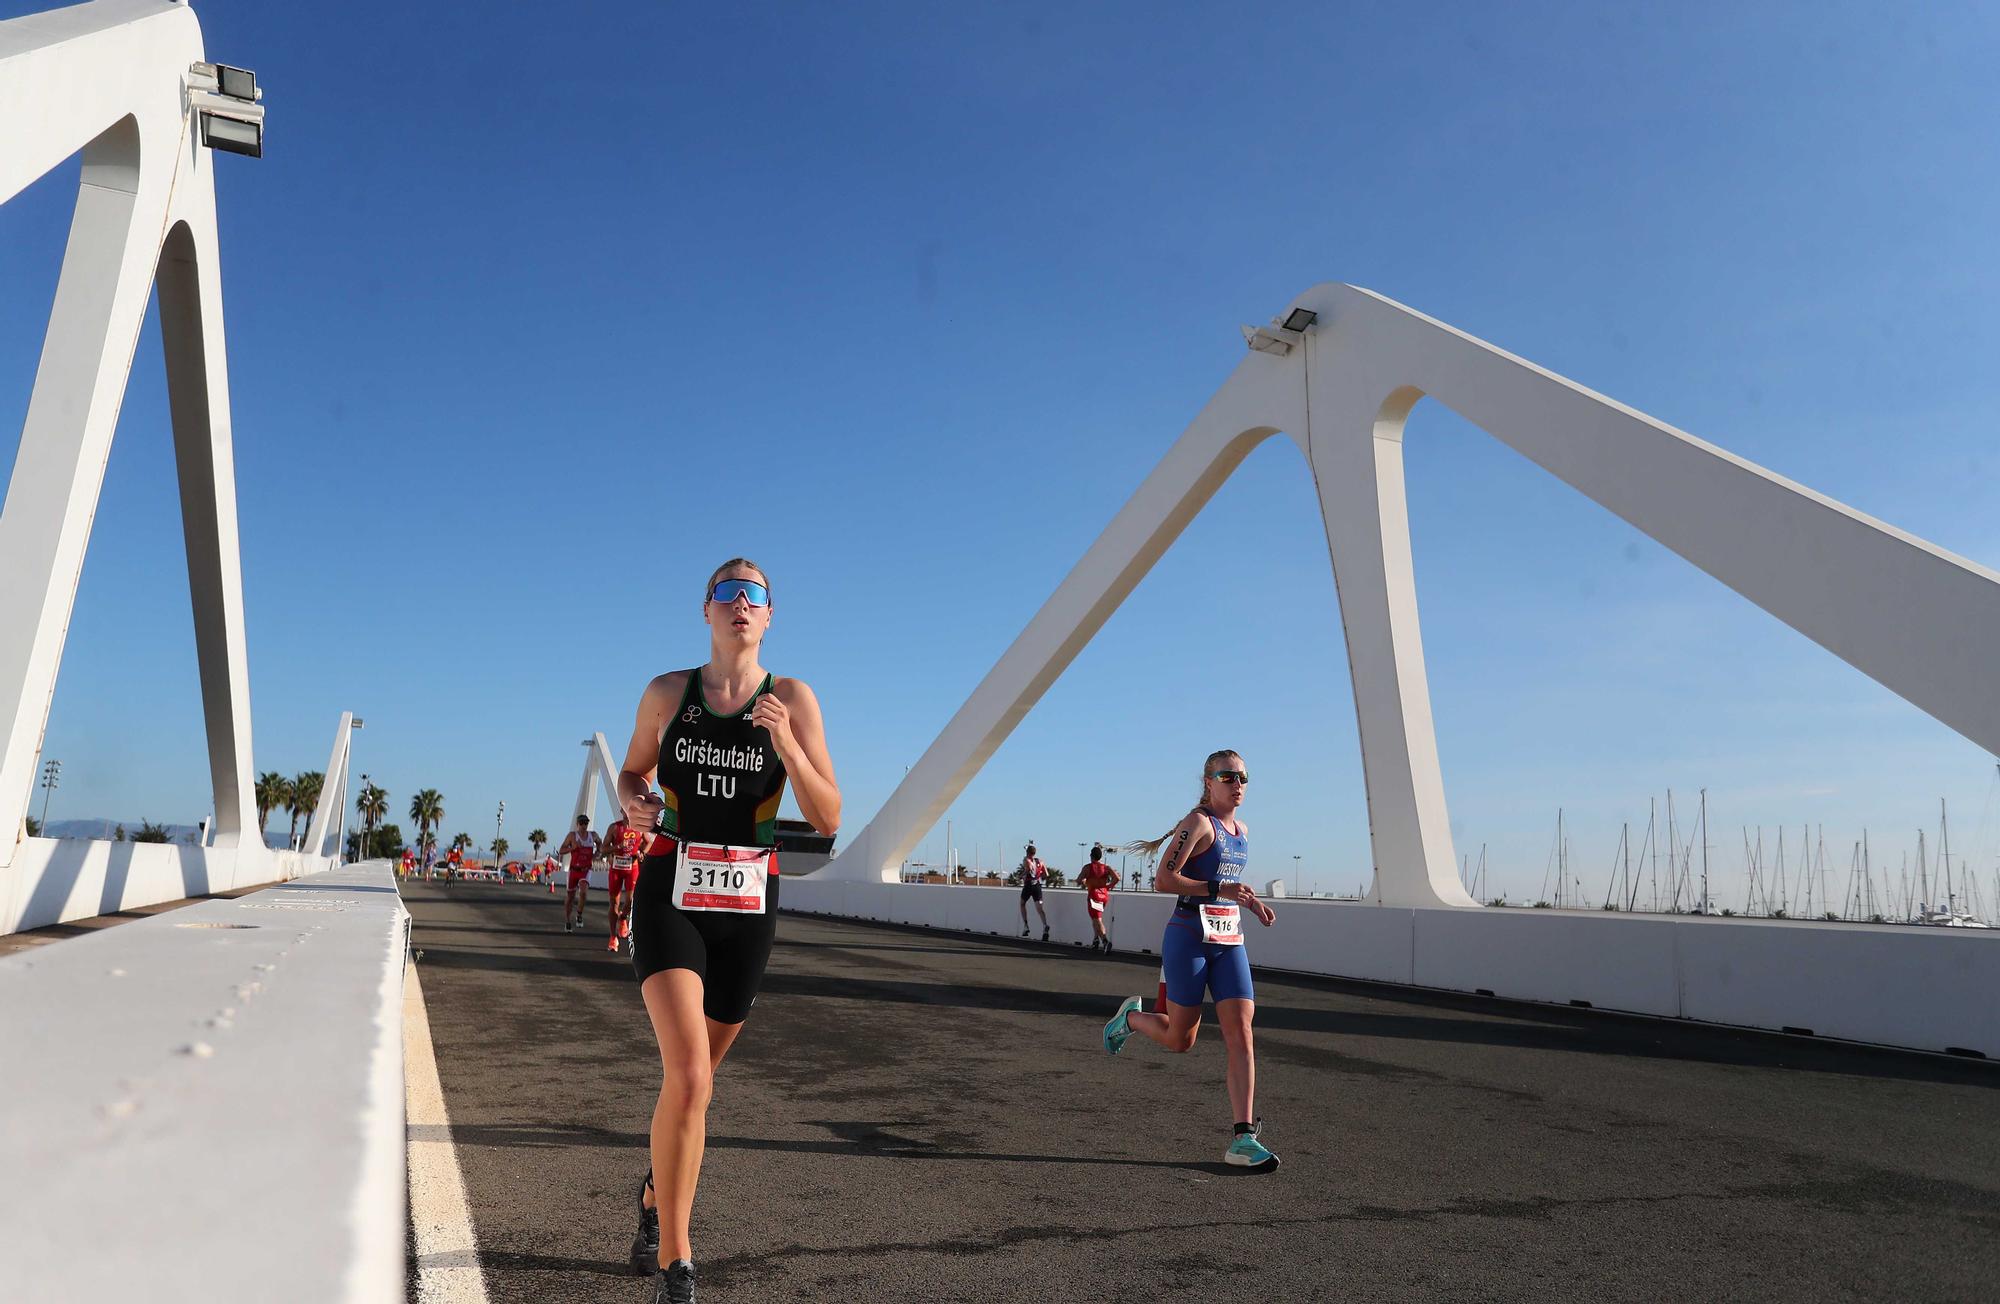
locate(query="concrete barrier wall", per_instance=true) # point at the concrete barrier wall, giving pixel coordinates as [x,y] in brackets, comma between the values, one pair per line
[207,1104]
[1927,989]
[57,879]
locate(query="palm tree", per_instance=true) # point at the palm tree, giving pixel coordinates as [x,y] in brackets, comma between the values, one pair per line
[537,840]
[427,809]
[304,799]
[371,805]
[461,842]
[499,851]
[273,791]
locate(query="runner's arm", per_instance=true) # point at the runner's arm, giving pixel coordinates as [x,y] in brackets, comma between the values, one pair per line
[642,754]
[1190,838]
[810,768]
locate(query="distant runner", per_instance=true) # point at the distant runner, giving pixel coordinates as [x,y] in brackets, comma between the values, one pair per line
[1033,874]
[581,848]
[1208,853]
[408,862]
[623,845]
[723,740]
[1097,880]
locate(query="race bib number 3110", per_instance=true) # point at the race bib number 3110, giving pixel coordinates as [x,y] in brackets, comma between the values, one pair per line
[731,879]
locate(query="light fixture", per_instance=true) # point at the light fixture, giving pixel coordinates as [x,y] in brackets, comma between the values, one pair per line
[236,83]
[227,102]
[232,136]
[1263,339]
[1278,338]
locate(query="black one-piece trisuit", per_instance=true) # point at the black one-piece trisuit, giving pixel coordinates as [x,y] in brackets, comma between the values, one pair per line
[707,899]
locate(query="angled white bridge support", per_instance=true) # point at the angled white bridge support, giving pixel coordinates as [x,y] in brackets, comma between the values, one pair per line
[598,767]
[1858,587]
[111,79]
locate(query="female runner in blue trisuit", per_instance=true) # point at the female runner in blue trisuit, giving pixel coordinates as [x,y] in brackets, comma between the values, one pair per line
[1207,855]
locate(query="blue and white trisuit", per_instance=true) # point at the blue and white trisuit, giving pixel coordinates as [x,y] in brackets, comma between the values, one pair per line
[1203,951]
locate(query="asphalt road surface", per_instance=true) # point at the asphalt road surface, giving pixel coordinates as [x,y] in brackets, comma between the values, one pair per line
[926,1116]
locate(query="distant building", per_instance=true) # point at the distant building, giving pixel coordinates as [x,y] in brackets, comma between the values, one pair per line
[801,847]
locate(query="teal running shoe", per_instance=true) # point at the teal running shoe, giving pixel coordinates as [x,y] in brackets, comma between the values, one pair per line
[1120,1027]
[1246,1151]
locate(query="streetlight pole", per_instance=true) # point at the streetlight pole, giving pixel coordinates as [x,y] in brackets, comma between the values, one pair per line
[51,780]
[367,820]
[498,816]
[1295,876]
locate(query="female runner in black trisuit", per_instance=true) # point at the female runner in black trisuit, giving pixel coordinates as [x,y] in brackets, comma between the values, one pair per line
[722,740]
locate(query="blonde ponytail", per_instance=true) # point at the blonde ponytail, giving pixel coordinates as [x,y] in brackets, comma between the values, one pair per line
[1151,850]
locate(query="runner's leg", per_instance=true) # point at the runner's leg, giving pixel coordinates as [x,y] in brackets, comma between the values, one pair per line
[1175,1029]
[680,1118]
[721,1036]
[1234,1016]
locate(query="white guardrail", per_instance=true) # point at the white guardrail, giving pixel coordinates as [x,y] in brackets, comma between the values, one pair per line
[207,1104]
[1914,988]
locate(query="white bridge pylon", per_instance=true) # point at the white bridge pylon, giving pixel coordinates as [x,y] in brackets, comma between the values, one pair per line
[597,767]
[1863,590]
[112,79]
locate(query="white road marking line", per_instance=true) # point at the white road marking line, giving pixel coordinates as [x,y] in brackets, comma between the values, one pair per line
[447,1251]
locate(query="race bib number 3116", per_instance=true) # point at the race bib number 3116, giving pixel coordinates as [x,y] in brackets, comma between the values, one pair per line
[1221,924]
[731,879]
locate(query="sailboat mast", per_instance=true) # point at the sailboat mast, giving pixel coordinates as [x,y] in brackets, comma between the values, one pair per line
[1944,857]
[1625,888]
[1704,851]
[1653,838]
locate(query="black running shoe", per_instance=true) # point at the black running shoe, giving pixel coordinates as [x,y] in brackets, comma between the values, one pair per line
[646,1245]
[1045,932]
[675,1285]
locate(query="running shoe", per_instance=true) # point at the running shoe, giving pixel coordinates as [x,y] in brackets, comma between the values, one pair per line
[646,1245]
[1120,1027]
[568,927]
[1246,1151]
[1024,930]
[611,944]
[675,1285]
[1045,932]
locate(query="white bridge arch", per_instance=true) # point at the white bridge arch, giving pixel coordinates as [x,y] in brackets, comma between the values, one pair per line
[112,79]
[1854,585]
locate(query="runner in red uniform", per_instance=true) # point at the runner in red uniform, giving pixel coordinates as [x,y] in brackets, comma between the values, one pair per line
[409,861]
[1097,880]
[624,845]
[581,848]
[549,873]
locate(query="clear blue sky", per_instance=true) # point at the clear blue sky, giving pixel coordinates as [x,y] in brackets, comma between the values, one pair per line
[535,313]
